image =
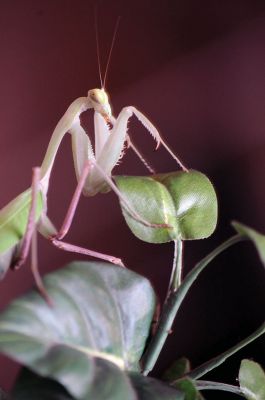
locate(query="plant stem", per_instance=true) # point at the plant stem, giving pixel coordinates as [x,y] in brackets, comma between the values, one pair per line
[207,385]
[176,274]
[216,361]
[173,302]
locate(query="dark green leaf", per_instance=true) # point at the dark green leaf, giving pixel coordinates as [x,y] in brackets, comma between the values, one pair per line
[184,200]
[30,386]
[33,387]
[252,380]
[98,326]
[257,238]
[152,389]
[179,368]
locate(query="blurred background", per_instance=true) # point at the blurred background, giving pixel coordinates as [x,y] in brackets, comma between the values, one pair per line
[197,70]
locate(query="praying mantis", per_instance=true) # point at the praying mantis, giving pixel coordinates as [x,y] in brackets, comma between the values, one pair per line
[27,213]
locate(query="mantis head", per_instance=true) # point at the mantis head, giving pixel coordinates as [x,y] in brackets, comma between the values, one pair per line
[100,102]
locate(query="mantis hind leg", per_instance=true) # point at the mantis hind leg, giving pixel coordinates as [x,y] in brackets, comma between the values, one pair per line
[26,241]
[80,250]
[30,239]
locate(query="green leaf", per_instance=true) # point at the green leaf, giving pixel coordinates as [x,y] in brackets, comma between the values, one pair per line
[184,200]
[179,368]
[257,238]
[32,387]
[188,387]
[153,389]
[98,327]
[14,218]
[252,380]
[106,382]
[174,375]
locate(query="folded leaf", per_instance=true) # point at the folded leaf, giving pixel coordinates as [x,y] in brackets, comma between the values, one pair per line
[184,200]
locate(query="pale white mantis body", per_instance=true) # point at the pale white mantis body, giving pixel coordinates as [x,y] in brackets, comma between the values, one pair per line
[93,170]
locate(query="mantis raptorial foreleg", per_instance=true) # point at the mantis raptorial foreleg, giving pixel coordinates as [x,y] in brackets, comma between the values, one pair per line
[125,115]
[131,145]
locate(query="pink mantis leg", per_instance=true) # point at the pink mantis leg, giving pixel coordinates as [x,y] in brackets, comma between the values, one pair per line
[74,202]
[56,239]
[139,155]
[24,250]
[35,270]
[30,238]
[80,250]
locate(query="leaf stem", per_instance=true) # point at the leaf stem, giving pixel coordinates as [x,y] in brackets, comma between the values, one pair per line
[173,303]
[176,274]
[207,385]
[216,361]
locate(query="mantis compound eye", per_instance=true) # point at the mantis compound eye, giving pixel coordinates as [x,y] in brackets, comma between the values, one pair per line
[93,96]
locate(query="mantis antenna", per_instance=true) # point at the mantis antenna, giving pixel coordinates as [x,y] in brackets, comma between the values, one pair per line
[111,49]
[97,44]
[103,81]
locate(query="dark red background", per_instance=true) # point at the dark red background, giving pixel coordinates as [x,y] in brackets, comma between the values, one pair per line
[197,70]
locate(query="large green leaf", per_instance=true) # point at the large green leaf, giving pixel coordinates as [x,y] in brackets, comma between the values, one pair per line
[257,238]
[104,382]
[14,217]
[97,328]
[252,380]
[30,386]
[184,200]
